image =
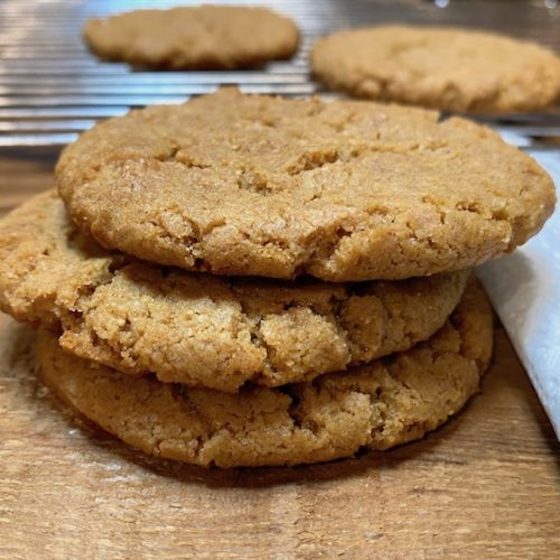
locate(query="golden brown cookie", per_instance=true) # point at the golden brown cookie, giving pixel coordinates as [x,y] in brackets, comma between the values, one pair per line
[378,406]
[196,37]
[252,185]
[197,329]
[444,68]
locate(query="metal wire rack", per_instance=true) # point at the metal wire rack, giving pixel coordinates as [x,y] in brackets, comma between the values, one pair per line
[52,88]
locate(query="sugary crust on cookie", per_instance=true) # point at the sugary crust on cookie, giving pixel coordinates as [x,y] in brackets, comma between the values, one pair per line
[252,185]
[197,329]
[378,406]
[444,68]
[201,37]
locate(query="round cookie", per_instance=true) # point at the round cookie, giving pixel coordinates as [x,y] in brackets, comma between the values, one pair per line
[200,37]
[235,184]
[378,406]
[444,68]
[197,329]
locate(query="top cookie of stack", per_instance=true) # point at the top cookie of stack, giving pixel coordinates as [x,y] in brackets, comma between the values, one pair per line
[232,184]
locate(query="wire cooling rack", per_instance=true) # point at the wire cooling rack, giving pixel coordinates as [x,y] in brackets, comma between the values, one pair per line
[52,88]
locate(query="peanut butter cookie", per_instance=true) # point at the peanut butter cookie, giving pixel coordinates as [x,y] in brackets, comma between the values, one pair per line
[197,329]
[443,68]
[377,406]
[196,37]
[235,184]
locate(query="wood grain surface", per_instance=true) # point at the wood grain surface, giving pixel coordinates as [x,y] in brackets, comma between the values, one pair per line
[487,485]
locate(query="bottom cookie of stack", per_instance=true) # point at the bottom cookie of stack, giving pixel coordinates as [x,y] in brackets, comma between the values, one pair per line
[388,402]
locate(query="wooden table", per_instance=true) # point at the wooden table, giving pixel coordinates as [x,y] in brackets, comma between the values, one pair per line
[487,485]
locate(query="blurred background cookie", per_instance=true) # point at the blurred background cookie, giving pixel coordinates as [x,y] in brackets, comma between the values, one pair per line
[195,37]
[445,68]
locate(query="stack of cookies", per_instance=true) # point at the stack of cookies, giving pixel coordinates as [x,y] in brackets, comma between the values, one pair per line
[249,280]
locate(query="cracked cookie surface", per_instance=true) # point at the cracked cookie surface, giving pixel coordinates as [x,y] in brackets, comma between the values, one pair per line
[377,406]
[201,37]
[233,184]
[196,329]
[444,68]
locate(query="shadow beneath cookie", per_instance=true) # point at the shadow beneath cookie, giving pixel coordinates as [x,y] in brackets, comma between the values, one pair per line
[39,156]
[29,394]
[367,463]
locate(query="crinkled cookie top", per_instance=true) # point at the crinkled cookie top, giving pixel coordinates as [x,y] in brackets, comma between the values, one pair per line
[234,184]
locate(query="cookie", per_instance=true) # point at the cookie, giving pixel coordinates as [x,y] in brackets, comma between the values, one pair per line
[378,406]
[444,68]
[201,37]
[201,330]
[235,184]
